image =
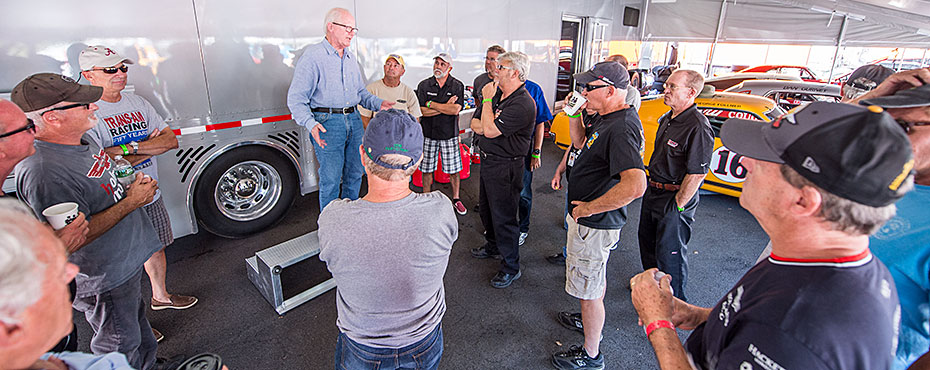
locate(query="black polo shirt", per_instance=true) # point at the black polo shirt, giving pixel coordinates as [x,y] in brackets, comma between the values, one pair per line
[614,145]
[515,117]
[441,126]
[479,83]
[683,145]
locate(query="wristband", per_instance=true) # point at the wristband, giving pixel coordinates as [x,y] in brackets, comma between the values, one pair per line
[534,156]
[427,103]
[486,100]
[680,208]
[576,116]
[125,149]
[658,324]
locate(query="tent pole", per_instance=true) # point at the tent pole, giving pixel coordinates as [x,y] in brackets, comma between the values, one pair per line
[839,44]
[713,46]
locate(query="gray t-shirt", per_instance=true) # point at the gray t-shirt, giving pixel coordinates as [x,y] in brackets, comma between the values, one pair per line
[83,174]
[130,119]
[632,98]
[388,260]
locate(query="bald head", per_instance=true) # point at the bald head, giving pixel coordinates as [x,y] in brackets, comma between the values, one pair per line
[18,144]
[10,115]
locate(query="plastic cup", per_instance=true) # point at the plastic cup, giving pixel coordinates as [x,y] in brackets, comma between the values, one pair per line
[61,214]
[575,102]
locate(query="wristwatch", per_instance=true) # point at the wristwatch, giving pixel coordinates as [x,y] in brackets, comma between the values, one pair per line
[536,151]
[135,147]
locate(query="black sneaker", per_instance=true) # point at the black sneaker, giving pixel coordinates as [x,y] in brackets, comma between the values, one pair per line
[571,320]
[482,253]
[503,279]
[556,259]
[577,358]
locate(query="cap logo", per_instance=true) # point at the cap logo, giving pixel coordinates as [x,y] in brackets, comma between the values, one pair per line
[109,52]
[903,175]
[66,78]
[810,165]
[396,148]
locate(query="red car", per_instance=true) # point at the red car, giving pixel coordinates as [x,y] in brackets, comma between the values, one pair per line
[800,71]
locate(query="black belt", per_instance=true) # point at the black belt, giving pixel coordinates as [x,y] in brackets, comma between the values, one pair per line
[346,110]
[666,187]
[485,155]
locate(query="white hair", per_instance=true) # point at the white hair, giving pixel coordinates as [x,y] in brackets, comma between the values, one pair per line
[21,272]
[519,61]
[333,15]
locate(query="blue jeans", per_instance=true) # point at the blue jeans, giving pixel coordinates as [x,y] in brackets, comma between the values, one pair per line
[526,197]
[421,355]
[340,162]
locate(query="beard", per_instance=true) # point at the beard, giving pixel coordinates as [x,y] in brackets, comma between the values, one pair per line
[438,73]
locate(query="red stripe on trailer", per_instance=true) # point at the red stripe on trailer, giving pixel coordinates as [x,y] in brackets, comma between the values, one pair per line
[224,125]
[284,117]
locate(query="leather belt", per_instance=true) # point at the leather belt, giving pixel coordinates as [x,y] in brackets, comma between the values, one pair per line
[501,158]
[346,110]
[668,187]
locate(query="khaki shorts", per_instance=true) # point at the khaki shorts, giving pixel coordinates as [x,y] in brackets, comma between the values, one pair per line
[586,259]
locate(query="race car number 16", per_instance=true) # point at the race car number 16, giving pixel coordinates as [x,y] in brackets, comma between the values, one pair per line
[726,165]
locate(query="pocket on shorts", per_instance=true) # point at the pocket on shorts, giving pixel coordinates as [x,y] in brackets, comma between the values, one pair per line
[584,278]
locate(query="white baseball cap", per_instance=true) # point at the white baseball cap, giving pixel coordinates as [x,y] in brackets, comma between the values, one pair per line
[100,56]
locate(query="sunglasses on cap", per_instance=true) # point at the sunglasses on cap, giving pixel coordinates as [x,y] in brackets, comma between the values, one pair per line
[31,126]
[112,70]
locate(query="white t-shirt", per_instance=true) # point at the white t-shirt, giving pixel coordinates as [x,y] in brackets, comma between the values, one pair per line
[401,94]
[130,119]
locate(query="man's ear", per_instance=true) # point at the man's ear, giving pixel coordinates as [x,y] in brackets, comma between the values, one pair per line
[808,202]
[87,75]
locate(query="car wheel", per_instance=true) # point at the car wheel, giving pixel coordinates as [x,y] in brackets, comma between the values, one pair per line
[245,191]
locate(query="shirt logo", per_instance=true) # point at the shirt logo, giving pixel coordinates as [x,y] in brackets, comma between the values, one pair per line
[101,165]
[734,303]
[672,143]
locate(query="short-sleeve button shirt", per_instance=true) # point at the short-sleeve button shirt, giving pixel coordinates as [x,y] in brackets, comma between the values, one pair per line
[683,145]
[441,126]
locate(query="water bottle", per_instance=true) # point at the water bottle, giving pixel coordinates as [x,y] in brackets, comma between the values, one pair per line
[123,171]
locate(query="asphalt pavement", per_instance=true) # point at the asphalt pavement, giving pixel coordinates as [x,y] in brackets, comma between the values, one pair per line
[484,328]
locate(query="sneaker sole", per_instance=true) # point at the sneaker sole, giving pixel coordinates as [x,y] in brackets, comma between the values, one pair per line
[159,308]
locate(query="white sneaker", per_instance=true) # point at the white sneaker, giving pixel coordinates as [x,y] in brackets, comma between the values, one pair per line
[522,238]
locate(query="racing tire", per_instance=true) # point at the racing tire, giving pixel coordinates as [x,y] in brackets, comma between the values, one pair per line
[244,191]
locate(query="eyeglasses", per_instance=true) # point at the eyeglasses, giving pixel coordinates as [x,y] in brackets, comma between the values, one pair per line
[669,86]
[501,66]
[112,70]
[30,126]
[69,106]
[490,59]
[908,126]
[349,29]
[590,88]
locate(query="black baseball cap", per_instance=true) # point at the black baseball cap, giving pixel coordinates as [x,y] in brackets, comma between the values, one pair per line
[610,72]
[910,98]
[43,90]
[393,131]
[869,76]
[857,153]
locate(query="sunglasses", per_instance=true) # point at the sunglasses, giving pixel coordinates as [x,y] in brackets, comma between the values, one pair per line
[590,88]
[69,106]
[669,86]
[349,29]
[908,126]
[30,126]
[112,70]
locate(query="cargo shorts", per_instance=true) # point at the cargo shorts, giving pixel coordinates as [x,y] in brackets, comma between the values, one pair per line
[586,259]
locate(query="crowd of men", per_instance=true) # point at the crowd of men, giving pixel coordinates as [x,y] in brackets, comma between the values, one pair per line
[830,184]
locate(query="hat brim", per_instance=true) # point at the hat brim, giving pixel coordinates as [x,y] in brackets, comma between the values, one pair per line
[747,138]
[897,101]
[585,77]
[85,94]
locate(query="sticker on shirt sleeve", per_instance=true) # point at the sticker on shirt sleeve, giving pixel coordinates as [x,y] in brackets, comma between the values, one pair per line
[727,165]
[591,140]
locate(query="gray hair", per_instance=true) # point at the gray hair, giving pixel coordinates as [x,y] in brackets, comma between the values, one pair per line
[21,272]
[519,61]
[333,15]
[391,174]
[846,215]
[693,79]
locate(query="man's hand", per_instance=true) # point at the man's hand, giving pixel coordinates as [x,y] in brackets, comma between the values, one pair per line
[315,133]
[384,105]
[154,134]
[452,99]
[489,90]
[141,191]
[899,81]
[557,181]
[581,210]
[74,234]
[652,299]
[535,163]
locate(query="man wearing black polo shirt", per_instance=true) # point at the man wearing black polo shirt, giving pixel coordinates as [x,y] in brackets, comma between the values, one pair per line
[683,146]
[442,98]
[819,181]
[607,175]
[506,121]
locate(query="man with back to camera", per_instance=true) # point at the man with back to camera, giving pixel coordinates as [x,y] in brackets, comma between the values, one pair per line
[390,89]
[864,79]
[607,175]
[69,167]
[680,160]
[129,126]
[820,301]
[327,86]
[402,243]
[505,119]
[441,98]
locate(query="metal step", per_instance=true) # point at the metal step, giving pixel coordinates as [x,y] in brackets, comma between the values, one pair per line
[265,268]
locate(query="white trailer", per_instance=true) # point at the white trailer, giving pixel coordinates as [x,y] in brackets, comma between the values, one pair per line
[218,71]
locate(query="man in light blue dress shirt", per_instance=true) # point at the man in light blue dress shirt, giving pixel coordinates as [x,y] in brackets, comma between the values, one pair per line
[327,86]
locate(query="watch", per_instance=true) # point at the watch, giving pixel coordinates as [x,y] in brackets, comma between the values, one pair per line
[135,147]
[536,151]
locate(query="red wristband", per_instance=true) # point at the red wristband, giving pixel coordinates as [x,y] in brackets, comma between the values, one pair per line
[658,324]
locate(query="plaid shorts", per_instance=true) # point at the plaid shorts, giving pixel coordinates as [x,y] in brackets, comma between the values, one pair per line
[159,216]
[451,155]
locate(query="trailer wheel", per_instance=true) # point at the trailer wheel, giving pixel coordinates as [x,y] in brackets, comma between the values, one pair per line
[245,191]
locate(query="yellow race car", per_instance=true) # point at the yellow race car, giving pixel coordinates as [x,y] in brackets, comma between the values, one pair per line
[726,174]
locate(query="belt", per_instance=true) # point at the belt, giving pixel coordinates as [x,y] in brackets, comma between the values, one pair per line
[659,185]
[486,155]
[346,110]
